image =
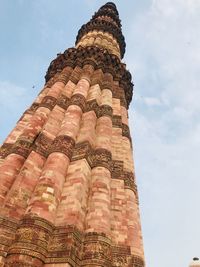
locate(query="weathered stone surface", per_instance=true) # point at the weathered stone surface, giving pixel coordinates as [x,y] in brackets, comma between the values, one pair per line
[68,191]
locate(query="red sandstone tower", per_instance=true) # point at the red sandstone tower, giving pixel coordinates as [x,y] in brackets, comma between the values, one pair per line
[67,185]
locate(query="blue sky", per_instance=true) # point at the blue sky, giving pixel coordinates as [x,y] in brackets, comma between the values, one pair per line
[163,54]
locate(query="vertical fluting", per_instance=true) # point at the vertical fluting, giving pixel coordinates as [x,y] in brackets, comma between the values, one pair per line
[72,208]
[67,182]
[47,194]
[98,216]
[18,196]
[16,201]
[24,120]
[8,170]
[134,239]
[14,162]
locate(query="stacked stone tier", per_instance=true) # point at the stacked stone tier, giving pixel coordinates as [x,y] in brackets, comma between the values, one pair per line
[106,20]
[100,59]
[68,193]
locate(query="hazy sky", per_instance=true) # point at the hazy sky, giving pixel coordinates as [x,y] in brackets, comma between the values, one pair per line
[163,54]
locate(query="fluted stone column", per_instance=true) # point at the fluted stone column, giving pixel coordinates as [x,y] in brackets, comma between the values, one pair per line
[68,192]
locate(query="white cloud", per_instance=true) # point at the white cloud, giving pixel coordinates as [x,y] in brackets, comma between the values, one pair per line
[152,101]
[14,100]
[12,96]
[165,60]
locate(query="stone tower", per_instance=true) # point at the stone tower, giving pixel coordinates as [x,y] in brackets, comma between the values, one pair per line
[195,262]
[67,184]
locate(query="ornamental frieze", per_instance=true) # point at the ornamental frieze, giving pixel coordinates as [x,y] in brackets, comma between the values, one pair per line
[105,110]
[100,158]
[117,121]
[63,101]
[32,108]
[121,256]
[48,102]
[78,100]
[5,150]
[129,180]
[137,261]
[22,147]
[12,263]
[63,144]
[38,238]
[32,238]
[97,249]
[126,131]
[92,105]
[117,169]
[130,183]
[81,150]
[42,144]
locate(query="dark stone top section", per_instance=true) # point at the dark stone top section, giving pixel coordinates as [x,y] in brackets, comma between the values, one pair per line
[100,23]
[100,59]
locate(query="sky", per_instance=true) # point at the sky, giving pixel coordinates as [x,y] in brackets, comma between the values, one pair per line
[163,55]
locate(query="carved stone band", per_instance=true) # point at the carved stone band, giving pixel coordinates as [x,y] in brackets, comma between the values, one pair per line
[22,147]
[103,110]
[78,100]
[63,144]
[5,150]
[42,144]
[48,102]
[100,158]
[126,131]
[41,240]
